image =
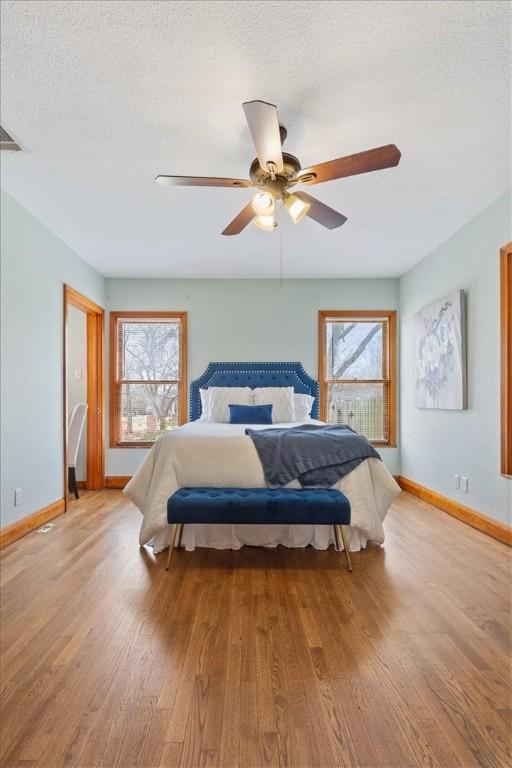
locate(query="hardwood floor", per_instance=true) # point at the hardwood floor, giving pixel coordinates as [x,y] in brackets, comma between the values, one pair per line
[257,657]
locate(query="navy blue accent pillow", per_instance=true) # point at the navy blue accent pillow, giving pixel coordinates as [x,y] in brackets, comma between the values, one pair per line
[250,414]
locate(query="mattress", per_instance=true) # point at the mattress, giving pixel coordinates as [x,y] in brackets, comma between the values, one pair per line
[222,455]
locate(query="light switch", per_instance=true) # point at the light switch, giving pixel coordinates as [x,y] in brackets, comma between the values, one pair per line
[77,373]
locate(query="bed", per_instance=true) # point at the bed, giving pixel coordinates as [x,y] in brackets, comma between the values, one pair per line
[202,453]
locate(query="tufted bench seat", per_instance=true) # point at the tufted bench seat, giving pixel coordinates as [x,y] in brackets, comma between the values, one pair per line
[267,506]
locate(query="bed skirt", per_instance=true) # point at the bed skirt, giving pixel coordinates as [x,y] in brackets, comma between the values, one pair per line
[238,536]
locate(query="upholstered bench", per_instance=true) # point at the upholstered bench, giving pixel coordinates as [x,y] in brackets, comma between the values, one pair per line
[290,506]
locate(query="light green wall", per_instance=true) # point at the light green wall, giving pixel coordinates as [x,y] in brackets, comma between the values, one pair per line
[239,320]
[438,444]
[248,320]
[34,266]
[228,320]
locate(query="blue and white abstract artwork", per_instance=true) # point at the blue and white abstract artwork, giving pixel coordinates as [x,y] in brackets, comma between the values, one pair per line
[440,354]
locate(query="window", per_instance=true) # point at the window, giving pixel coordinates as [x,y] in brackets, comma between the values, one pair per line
[506,359]
[357,362]
[148,359]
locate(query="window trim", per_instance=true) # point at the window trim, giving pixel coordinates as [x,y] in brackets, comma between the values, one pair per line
[388,315]
[506,358]
[114,386]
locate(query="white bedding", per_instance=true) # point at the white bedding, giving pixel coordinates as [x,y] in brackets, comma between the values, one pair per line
[208,454]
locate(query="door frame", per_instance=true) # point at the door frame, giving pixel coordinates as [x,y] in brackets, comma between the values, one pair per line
[95,316]
[506,358]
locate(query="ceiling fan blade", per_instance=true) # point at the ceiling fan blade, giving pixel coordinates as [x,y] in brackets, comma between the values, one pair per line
[321,212]
[201,181]
[240,221]
[264,127]
[362,162]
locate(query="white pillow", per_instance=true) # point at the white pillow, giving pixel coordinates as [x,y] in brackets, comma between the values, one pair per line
[303,405]
[221,397]
[205,404]
[281,400]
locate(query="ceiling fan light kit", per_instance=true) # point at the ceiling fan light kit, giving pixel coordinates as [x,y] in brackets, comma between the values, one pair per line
[267,223]
[296,207]
[273,172]
[263,204]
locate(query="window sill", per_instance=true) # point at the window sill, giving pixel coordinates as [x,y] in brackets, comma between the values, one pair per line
[132,445]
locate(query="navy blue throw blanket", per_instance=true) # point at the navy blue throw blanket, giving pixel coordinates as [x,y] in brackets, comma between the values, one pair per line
[316,455]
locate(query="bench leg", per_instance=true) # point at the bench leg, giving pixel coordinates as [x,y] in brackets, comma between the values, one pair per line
[171,545]
[180,534]
[337,538]
[345,545]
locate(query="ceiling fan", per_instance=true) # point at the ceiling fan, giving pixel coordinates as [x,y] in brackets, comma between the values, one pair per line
[273,172]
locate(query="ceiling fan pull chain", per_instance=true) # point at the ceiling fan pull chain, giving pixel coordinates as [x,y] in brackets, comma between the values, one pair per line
[281,266]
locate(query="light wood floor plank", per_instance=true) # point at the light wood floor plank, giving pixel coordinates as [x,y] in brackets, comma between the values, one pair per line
[255,658]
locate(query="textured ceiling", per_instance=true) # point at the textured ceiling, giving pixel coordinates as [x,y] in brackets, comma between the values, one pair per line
[103,96]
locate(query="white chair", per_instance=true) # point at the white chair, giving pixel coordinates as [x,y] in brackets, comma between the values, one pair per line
[75,428]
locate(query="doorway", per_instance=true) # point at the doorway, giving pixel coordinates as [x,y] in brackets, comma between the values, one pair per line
[83,383]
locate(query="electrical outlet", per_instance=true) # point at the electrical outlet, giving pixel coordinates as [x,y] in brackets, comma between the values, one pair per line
[456,481]
[17,497]
[465,484]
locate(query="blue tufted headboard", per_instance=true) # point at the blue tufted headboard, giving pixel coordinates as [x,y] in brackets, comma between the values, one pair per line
[253,375]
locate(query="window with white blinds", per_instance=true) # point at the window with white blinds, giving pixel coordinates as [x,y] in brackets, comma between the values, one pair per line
[357,374]
[148,376]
